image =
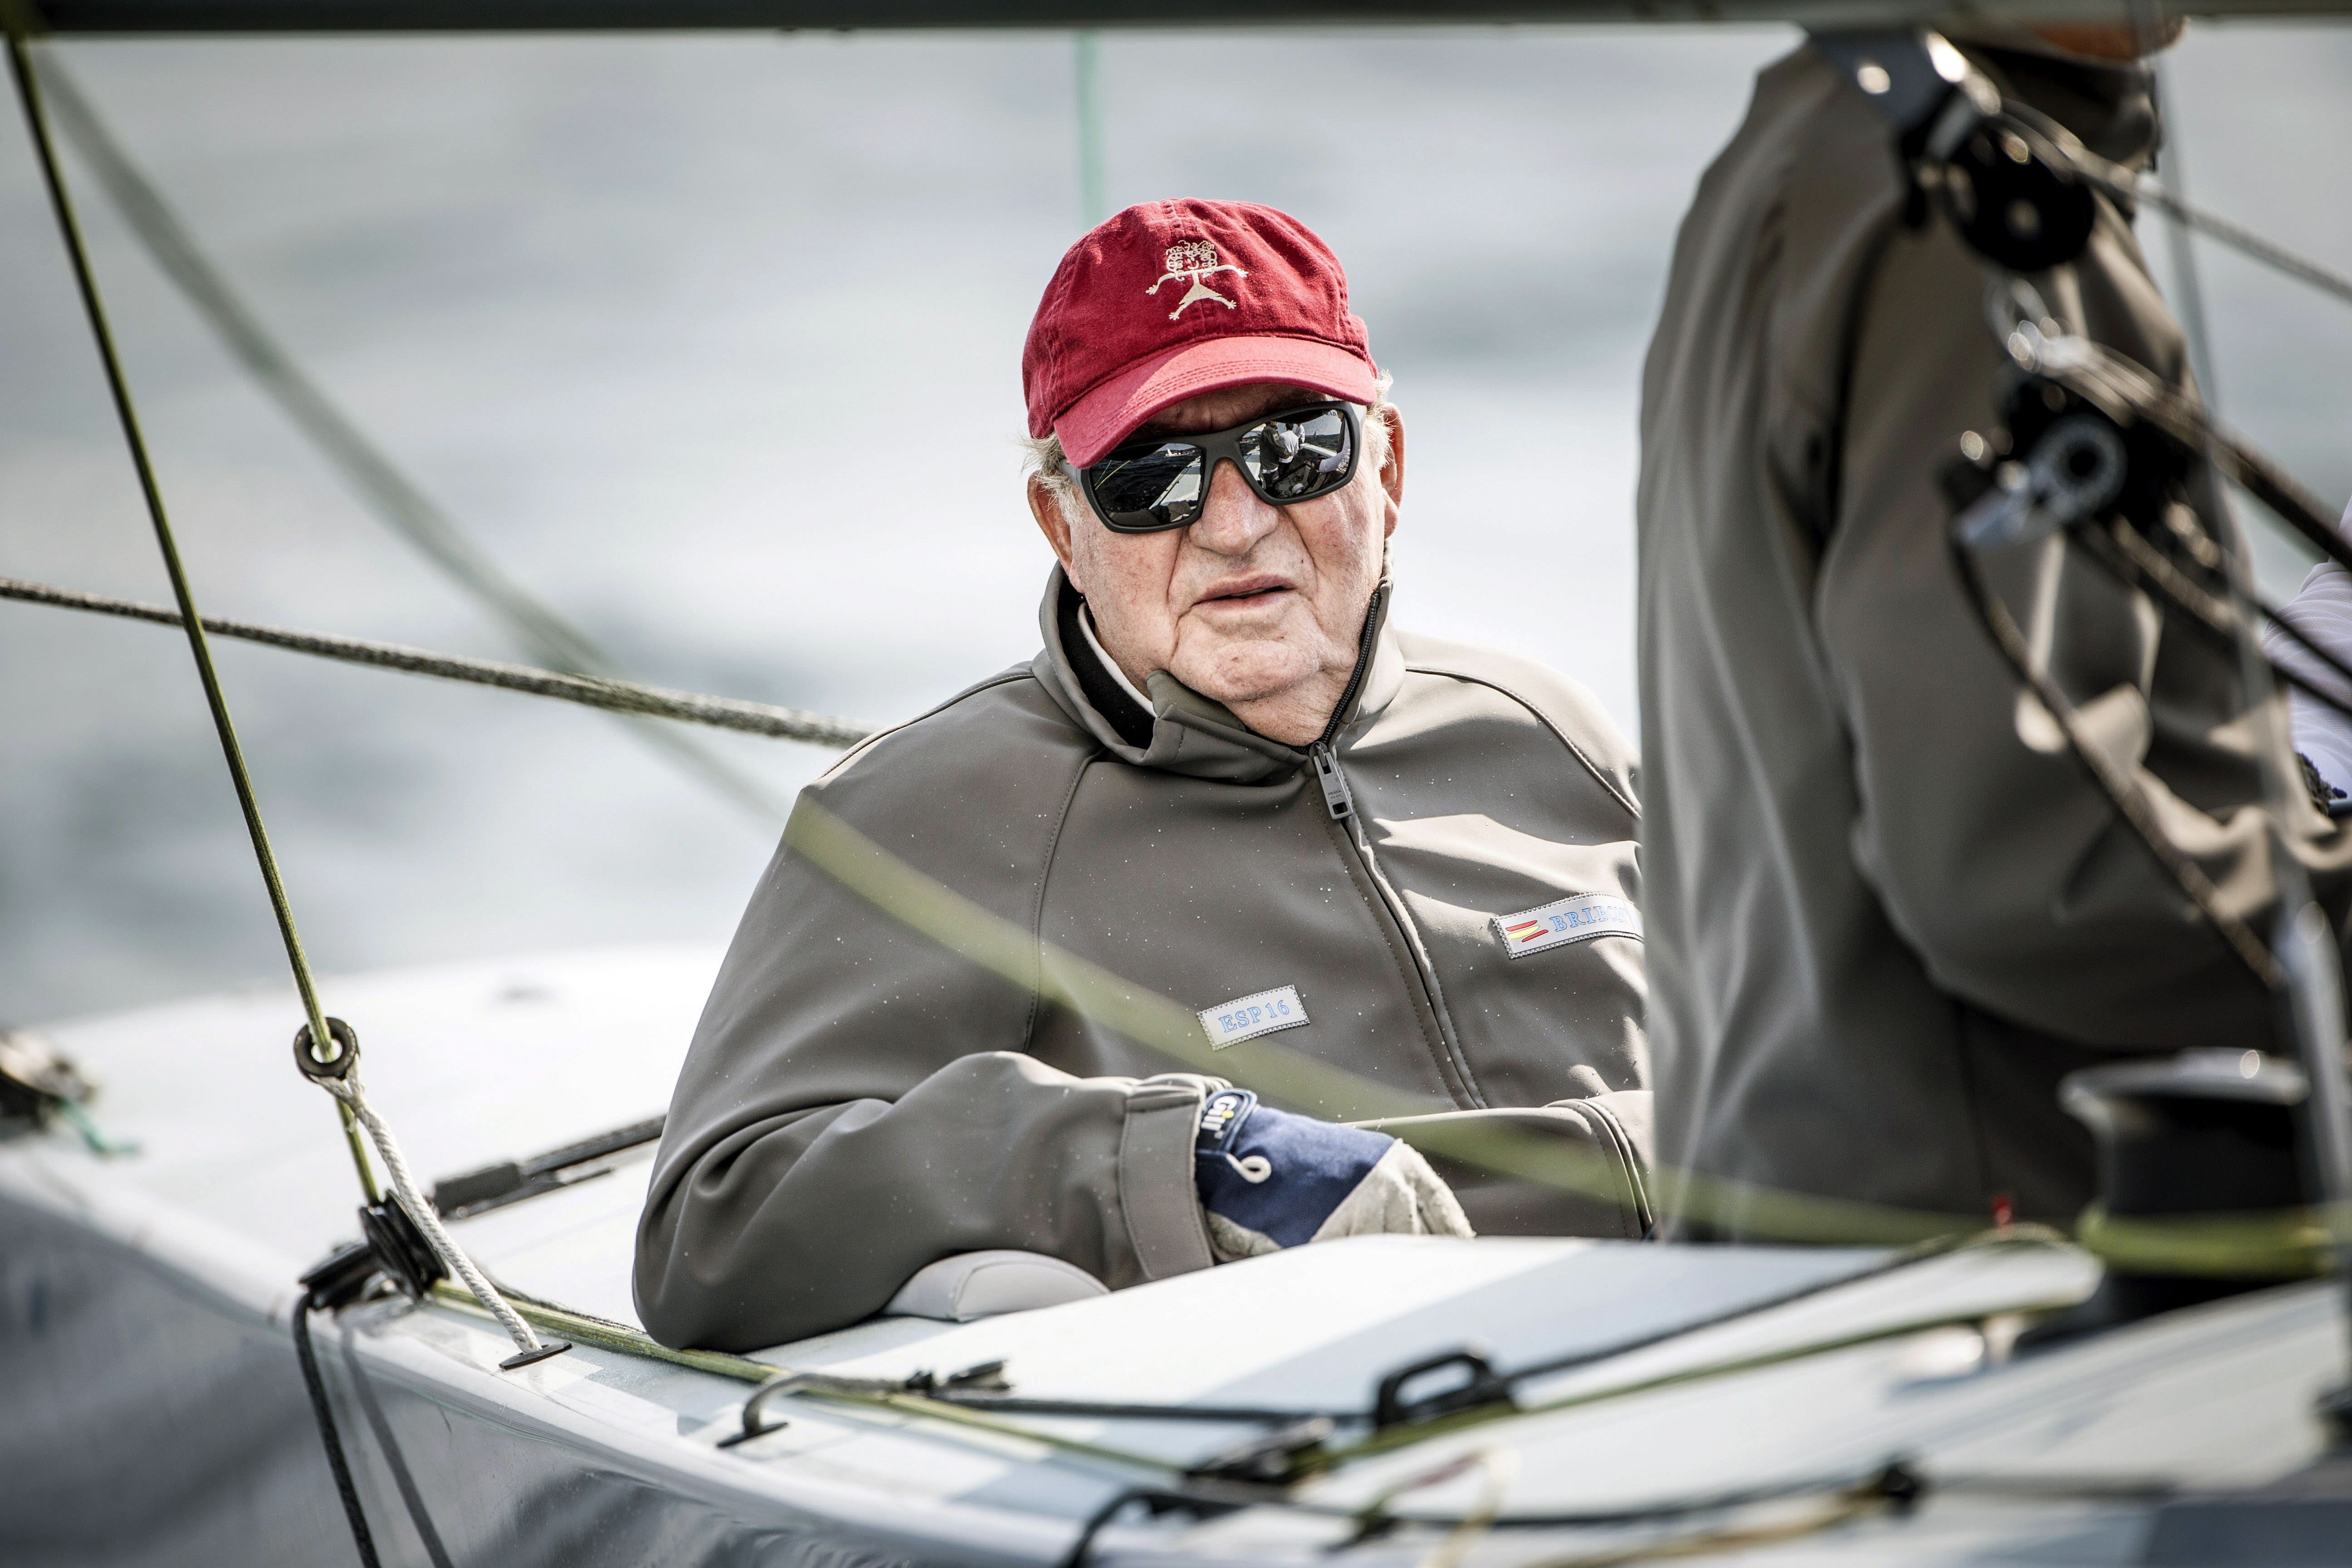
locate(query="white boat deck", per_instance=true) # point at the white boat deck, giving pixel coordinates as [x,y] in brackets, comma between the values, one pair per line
[243,1182]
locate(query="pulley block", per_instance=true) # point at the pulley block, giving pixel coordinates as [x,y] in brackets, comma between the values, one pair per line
[2015,199]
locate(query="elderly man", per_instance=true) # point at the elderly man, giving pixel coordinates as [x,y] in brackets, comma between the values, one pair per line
[1227,780]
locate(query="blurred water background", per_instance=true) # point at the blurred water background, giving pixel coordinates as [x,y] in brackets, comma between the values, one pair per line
[714,342]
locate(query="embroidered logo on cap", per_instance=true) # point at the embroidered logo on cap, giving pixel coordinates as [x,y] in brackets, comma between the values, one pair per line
[1247,1017]
[1580,919]
[1195,259]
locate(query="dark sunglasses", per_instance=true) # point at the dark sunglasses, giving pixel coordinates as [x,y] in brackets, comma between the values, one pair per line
[1146,483]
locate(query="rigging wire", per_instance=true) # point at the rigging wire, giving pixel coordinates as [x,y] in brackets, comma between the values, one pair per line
[328,1049]
[323,1414]
[333,1048]
[2128,185]
[396,500]
[28,96]
[2188,284]
[590,691]
[2237,238]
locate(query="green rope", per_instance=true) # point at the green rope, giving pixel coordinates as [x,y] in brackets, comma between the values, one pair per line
[606,1334]
[2261,1244]
[93,1137]
[28,94]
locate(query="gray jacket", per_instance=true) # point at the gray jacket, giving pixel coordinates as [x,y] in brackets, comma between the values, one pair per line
[859,1101]
[1881,926]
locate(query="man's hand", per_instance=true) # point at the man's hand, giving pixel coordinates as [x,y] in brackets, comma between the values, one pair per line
[1269,1179]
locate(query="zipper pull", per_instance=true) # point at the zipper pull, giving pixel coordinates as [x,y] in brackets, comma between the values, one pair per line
[1336,798]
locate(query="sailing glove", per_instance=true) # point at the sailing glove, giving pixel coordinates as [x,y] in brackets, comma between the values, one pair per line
[1270,1179]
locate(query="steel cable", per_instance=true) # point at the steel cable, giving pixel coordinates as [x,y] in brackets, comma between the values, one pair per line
[28,95]
[590,691]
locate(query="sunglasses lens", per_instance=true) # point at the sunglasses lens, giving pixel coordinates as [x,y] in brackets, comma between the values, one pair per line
[1296,456]
[1149,486]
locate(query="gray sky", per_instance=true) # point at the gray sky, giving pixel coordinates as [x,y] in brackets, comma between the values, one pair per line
[714,340]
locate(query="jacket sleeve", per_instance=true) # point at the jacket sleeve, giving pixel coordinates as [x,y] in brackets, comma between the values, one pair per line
[856,1104]
[1575,1167]
[1996,854]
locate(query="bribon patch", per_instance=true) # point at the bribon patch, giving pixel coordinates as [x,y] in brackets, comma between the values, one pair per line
[1580,919]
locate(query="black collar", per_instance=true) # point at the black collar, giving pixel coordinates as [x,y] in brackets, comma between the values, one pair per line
[1103,689]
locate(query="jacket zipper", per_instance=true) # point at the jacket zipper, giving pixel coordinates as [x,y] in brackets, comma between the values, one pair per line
[1339,801]
[1336,798]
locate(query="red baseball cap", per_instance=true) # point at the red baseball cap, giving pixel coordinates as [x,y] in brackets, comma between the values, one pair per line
[1169,299]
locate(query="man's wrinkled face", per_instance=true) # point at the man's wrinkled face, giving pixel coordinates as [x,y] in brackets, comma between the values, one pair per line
[1256,605]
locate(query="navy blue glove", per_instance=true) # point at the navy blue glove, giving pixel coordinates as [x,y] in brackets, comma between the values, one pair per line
[1270,1179]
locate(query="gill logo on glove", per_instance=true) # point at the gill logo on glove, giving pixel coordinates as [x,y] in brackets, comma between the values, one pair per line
[1580,919]
[1192,260]
[1247,1017]
[1223,1108]
[1221,1118]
